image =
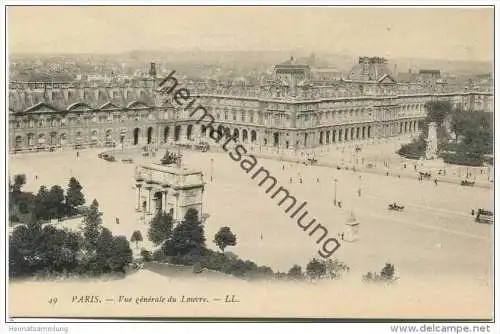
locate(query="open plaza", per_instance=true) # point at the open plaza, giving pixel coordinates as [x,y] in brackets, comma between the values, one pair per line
[432,243]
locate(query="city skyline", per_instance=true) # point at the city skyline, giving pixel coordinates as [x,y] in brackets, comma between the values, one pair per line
[390,32]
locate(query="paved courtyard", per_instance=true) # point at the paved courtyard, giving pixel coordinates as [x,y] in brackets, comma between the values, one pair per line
[436,229]
[434,238]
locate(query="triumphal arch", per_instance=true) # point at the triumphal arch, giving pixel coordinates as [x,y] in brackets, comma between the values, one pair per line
[171,188]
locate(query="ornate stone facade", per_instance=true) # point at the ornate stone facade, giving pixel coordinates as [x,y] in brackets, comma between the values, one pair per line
[286,112]
[172,189]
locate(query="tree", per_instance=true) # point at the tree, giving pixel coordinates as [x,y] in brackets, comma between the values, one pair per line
[225,238]
[187,237]
[295,272]
[120,254]
[74,195]
[160,228]
[33,249]
[40,204]
[92,226]
[437,111]
[55,202]
[19,182]
[136,237]
[315,268]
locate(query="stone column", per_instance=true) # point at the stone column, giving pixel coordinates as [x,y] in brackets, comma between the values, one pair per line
[176,209]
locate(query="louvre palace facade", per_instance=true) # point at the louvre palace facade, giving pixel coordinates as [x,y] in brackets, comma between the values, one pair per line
[292,109]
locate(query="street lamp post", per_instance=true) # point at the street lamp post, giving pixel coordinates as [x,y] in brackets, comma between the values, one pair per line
[335,193]
[359,189]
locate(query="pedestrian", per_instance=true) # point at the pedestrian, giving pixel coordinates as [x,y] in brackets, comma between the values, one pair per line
[77,154]
[317,180]
[290,180]
[436,182]
[36,177]
[342,236]
[261,236]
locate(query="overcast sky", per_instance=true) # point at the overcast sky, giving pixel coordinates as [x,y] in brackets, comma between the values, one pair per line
[453,34]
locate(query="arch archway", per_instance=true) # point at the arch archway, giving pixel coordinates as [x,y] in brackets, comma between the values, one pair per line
[41,139]
[150,135]
[63,139]
[31,139]
[321,134]
[204,130]
[220,131]
[136,136]
[227,132]
[253,136]
[189,131]
[305,140]
[236,134]
[18,142]
[158,199]
[177,132]
[53,138]
[244,135]
[108,136]
[276,139]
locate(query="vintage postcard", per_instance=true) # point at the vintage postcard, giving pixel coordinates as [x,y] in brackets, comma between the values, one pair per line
[252,162]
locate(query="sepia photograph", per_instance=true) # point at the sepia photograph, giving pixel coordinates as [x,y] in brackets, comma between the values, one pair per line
[252,163]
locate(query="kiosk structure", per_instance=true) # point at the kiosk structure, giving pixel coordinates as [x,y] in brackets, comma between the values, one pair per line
[170,188]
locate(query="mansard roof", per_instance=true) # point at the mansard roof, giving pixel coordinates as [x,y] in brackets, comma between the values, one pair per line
[84,98]
[41,107]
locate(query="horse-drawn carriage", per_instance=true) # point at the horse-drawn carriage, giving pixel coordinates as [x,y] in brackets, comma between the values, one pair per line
[202,146]
[467,183]
[311,161]
[484,216]
[396,207]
